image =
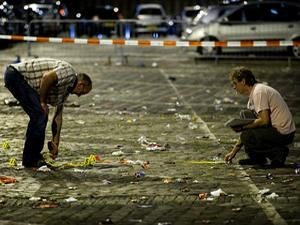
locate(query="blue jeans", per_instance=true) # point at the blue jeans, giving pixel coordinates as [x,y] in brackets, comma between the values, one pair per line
[30,101]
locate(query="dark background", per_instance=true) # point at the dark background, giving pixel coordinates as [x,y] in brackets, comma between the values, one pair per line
[127,7]
[172,7]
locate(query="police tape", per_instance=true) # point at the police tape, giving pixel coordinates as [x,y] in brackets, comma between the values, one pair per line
[159,43]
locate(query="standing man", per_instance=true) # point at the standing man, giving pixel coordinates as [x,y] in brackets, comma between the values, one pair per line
[273,128]
[36,83]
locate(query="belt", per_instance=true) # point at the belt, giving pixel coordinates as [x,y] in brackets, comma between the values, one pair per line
[13,69]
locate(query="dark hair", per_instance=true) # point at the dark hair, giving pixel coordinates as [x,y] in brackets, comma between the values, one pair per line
[85,78]
[240,73]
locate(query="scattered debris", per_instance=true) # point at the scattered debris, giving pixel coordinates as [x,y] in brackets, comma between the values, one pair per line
[71,199]
[118,153]
[297,168]
[164,223]
[192,126]
[44,169]
[144,164]
[46,205]
[183,117]
[269,176]
[167,180]
[236,209]
[289,180]
[272,196]
[72,188]
[35,199]
[152,146]
[154,64]
[72,104]
[106,182]
[106,221]
[140,174]
[81,122]
[218,193]
[145,206]
[11,102]
[7,180]
[203,196]
[264,191]
[79,170]
[135,220]
[171,78]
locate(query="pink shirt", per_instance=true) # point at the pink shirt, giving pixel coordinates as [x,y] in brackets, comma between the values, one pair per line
[264,97]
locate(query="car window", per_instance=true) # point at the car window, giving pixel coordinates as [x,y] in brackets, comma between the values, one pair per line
[280,12]
[247,13]
[212,15]
[191,13]
[269,12]
[151,11]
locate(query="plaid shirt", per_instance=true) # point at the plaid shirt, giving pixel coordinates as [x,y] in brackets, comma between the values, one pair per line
[33,71]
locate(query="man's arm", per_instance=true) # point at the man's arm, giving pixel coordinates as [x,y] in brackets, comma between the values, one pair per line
[229,156]
[49,79]
[263,119]
[56,128]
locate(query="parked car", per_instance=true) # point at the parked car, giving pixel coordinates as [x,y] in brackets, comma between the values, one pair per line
[44,18]
[151,18]
[276,20]
[101,20]
[9,23]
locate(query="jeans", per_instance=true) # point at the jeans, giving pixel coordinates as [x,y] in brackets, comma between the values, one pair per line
[30,101]
[265,142]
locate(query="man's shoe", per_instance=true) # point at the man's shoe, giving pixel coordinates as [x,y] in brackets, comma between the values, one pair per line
[252,161]
[277,164]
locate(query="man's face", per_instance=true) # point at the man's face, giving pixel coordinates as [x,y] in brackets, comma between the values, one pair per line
[82,88]
[238,85]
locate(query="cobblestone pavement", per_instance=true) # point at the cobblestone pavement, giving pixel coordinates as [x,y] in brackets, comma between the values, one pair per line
[148,96]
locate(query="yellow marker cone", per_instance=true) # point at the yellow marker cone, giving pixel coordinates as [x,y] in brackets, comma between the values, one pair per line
[12,162]
[5,145]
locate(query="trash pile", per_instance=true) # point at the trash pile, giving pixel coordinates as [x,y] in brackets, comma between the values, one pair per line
[7,180]
[212,195]
[152,146]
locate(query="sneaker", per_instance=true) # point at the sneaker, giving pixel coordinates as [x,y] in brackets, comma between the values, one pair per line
[250,161]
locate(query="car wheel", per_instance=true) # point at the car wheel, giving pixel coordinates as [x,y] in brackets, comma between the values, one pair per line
[209,51]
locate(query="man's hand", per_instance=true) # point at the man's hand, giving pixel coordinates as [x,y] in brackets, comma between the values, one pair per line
[53,149]
[229,156]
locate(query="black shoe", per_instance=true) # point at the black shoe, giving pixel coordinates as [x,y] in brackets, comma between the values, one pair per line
[250,161]
[277,164]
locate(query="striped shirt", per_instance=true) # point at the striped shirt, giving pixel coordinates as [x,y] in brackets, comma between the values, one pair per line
[33,71]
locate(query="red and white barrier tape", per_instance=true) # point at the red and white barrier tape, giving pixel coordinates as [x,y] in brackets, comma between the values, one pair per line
[162,43]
